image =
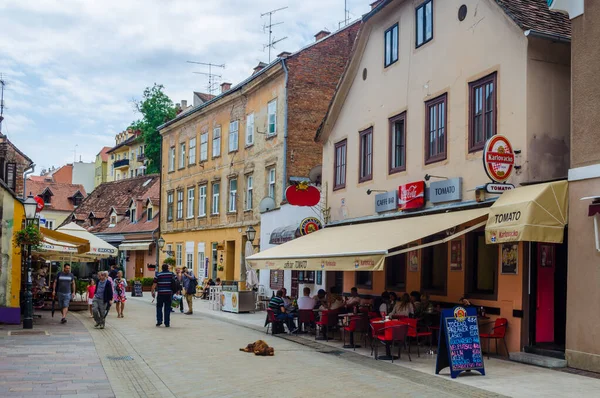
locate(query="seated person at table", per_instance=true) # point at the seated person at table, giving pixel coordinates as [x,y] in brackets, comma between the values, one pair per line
[384,306]
[403,307]
[334,300]
[354,300]
[320,300]
[287,301]
[464,302]
[426,304]
[415,299]
[392,301]
[306,302]
[206,287]
[277,306]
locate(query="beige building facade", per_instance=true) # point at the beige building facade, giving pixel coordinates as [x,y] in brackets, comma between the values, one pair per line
[127,158]
[428,84]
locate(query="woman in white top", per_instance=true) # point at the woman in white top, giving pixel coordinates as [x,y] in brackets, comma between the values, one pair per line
[403,307]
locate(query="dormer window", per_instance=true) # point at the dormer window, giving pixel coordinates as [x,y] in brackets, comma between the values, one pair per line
[132,212]
[47,196]
[149,212]
[113,220]
[77,198]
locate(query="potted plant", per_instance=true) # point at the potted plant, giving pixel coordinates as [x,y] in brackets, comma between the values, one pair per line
[30,235]
[170,261]
[151,267]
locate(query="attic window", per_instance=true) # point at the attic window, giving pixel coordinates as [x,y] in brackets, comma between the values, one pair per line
[113,220]
[149,211]
[47,198]
[147,182]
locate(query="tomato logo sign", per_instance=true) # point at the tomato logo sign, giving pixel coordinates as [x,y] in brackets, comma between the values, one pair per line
[460,314]
[302,195]
[498,158]
[310,225]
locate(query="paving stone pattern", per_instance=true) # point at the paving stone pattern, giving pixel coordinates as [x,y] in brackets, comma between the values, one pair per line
[63,363]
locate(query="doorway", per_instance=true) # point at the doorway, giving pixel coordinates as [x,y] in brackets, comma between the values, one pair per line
[294,287]
[548,298]
[230,261]
[139,264]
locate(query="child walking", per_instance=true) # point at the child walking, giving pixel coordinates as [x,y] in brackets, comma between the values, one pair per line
[91,289]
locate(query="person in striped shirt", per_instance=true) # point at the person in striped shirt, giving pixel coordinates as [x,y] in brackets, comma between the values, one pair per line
[278,307]
[164,283]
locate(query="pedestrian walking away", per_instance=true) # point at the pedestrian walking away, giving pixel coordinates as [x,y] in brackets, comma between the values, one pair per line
[64,289]
[114,270]
[91,290]
[179,287]
[103,298]
[120,286]
[162,289]
[190,283]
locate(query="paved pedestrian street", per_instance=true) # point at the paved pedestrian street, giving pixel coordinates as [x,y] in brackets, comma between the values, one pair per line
[199,357]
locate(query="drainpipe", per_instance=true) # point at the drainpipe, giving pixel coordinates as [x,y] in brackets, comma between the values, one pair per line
[285,130]
[28,171]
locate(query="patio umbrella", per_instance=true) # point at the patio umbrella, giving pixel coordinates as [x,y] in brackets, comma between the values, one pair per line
[98,247]
[251,278]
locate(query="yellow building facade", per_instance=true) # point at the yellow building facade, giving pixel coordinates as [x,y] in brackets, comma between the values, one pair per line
[219,160]
[127,158]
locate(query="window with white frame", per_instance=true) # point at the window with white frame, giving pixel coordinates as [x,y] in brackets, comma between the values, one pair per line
[170,206]
[149,212]
[132,213]
[189,260]
[172,158]
[249,188]
[234,135]
[232,195]
[190,202]
[216,144]
[179,205]
[169,250]
[182,155]
[250,129]
[192,154]
[178,254]
[272,117]
[215,198]
[49,224]
[204,147]
[202,201]
[271,179]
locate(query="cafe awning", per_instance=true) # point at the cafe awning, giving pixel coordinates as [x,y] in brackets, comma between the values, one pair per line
[145,245]
[76,244]
[358,247]
[535,213]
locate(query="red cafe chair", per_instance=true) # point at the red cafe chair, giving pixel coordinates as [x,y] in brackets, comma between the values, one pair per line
[393,332]
[357,324]
[414,333]
[498,332]
[306,317]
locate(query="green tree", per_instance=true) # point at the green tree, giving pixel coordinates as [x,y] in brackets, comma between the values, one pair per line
[156,108]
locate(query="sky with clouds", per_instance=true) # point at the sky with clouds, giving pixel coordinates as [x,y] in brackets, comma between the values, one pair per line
[74,67]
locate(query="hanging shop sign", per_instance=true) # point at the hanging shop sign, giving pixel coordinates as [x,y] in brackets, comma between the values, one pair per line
[302,194]
[445,191]
[309,225]
[498,188]
[498,158]
[386,201]
[412,195]
[40,204]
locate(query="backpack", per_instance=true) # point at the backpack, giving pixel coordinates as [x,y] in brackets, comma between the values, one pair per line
[175,285]
[192,286]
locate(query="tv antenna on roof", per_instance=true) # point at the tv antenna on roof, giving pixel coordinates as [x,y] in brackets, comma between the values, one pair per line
[2,84]
[272,41]
[346,15]
[211,76]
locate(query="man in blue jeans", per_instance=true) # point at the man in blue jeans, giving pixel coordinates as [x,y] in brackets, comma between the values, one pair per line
[278,306]
[164,283]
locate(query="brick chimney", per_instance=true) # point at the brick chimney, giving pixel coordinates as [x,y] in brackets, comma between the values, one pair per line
[225,87]
[183,104]
[375,3]
[321,35]
[259,67]
[284,55]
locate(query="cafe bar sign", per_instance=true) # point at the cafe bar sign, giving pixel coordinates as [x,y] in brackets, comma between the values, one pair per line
[386,201]
[445,191]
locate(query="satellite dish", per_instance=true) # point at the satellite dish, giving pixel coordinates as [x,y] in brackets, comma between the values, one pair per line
[315,174]
[266,204]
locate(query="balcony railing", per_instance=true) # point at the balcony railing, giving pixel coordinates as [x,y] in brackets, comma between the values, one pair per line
[141,158]
[121,163]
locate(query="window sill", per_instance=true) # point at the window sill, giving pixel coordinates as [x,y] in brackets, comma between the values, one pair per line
[477,148]
[216,157]
[340,187]
[234,151]
[192,164]
[248,211]
[365,179]
[390,64]
[435,159]
[215,215]
[231,213]
[248,146]
[396,170]
[202,216]
[181,168]
[190,218]
[170,171]
[270,136]
[417,46]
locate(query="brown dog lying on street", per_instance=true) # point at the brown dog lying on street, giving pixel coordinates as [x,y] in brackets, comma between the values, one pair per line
[259,347]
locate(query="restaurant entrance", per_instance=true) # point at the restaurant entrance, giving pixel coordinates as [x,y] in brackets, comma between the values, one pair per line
[548,298]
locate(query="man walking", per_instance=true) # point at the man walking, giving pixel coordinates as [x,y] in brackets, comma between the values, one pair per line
[189,284]
[164,285]
[114,270]
[64,290]
[103,298]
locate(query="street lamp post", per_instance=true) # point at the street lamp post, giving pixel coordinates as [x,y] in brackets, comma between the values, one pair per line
[160,243]
[30,206]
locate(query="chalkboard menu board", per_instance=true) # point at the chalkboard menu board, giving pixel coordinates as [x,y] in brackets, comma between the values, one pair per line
[137,289]
[459,346]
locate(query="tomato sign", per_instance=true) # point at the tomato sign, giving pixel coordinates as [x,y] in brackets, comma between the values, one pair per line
[498,158]
[302,195]
[40,204]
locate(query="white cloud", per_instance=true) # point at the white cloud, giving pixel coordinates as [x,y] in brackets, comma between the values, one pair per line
[75,65]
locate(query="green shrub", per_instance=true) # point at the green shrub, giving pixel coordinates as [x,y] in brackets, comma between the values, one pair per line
[147,281]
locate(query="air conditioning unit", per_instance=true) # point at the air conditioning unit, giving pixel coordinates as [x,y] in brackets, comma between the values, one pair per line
[572,7]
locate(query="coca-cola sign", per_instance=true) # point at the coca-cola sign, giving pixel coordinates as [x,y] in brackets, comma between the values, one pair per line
[411,195]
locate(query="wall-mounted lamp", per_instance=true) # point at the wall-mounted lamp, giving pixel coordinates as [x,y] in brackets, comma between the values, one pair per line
[480,194]
[221,259]
[370,191]
[429,176]
[518,163]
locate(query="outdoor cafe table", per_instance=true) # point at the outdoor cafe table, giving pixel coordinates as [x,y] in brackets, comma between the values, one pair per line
[378,325]
[347,319]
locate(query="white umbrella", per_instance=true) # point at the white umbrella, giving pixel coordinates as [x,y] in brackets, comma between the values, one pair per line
[251,278]
[98,247]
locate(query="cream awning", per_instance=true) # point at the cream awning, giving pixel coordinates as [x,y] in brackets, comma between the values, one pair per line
[76,245]
[359,247]
[135,246]
[535,213]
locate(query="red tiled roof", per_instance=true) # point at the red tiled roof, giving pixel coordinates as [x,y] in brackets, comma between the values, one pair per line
[61,193]
[203,96]
[104,153]
[118,195]
[535,15]
[36,178]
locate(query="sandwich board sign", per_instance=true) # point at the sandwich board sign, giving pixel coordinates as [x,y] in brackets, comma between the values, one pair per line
[459,346]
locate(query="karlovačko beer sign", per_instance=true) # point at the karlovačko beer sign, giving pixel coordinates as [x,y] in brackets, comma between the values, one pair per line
[498,158]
